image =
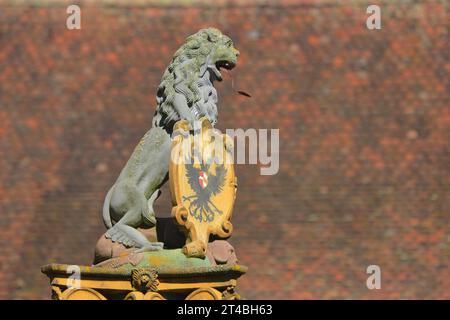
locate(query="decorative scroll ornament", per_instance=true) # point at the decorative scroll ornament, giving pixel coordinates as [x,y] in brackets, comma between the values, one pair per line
[202,183]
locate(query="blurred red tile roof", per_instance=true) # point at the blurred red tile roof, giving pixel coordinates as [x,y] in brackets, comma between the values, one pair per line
[364,118]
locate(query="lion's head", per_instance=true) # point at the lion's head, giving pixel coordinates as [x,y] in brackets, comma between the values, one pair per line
[187,91]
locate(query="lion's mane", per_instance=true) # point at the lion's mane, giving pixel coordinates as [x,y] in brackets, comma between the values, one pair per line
[183,77]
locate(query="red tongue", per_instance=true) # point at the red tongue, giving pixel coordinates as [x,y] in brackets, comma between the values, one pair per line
[232,85]
[244,93]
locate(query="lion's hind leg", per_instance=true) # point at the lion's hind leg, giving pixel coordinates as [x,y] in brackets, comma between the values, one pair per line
[129,207]
[148,213]
[131,237]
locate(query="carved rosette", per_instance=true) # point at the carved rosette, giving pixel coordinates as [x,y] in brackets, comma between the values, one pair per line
[202,183]
[144,280]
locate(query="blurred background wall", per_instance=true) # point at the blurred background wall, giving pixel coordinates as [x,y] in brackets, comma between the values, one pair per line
[364,119]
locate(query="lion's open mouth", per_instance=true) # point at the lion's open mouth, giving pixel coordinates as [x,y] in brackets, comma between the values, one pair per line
[228,65]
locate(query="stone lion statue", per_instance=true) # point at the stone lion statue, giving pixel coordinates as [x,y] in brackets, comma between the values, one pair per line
[187,93]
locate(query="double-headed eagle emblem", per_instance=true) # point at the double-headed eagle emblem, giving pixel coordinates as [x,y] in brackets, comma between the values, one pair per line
[205,183]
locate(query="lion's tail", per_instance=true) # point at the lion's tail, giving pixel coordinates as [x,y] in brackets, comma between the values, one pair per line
[106,214]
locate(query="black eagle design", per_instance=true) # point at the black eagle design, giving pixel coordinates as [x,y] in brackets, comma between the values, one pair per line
[205,185]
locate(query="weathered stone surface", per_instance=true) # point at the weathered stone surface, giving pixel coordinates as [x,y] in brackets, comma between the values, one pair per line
[141,282]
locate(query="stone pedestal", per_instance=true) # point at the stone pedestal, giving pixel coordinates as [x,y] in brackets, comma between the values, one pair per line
[145,276]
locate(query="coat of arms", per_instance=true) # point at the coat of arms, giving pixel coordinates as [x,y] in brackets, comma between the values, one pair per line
[202,183]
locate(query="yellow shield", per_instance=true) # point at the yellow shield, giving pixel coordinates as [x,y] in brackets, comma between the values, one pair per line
[202,183]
